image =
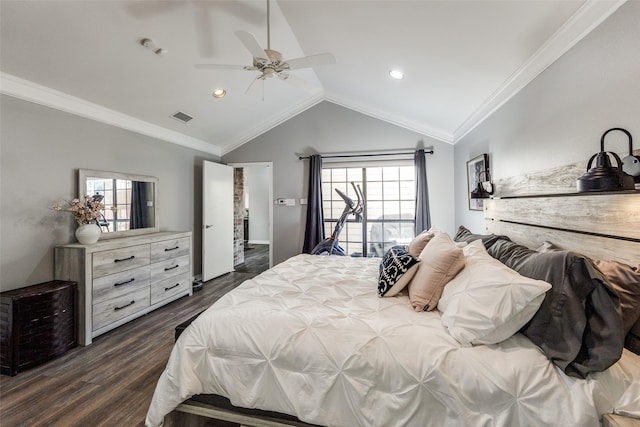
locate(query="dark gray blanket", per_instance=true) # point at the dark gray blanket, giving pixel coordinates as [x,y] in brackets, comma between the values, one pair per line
[579,325]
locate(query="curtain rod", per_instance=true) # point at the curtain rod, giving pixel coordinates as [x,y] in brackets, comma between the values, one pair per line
[345,156]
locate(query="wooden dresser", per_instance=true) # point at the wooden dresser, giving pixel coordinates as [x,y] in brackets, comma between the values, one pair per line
[123,278]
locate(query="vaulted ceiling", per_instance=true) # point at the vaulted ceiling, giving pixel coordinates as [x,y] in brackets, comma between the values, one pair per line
[461,60]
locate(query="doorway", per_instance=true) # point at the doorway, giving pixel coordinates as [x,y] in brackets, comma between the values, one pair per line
[253,216]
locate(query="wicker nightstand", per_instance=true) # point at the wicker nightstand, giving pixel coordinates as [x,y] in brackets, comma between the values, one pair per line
[37,323]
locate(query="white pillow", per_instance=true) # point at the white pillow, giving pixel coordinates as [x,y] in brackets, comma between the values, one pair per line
[487,302]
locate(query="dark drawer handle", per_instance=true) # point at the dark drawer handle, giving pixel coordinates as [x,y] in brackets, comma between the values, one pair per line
[171,249]
[171,287]
[124,306]
[125,282]
[125,259]
[171,268]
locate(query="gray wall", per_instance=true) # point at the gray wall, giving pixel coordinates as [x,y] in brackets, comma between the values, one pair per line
[558,118]
[41,150]
[327,128]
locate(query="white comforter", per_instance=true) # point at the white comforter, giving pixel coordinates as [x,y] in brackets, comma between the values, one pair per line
[311,338]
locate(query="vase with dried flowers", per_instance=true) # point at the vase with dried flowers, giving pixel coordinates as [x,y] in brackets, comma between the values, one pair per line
[86,214]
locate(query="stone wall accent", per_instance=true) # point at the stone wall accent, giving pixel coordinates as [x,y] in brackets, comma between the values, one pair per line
[238,216]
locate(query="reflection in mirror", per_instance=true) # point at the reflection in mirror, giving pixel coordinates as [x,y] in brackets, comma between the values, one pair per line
[130,201]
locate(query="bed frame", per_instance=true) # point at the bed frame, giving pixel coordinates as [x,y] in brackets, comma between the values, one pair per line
[544,206]
[530,209]
[603,226]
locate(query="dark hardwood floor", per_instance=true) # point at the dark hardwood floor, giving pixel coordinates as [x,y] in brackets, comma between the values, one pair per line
[110,382]
[256,257]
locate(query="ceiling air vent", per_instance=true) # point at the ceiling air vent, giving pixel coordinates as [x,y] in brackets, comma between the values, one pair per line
[184,118]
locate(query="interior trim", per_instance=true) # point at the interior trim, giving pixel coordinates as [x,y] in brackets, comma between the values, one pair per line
[586,19]
[33,92]
[420,128]
[263,127]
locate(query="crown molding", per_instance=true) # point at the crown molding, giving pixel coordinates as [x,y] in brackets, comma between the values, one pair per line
[591,14]
[420,128]
[32,92]
[252,133]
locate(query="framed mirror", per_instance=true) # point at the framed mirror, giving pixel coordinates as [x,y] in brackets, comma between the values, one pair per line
[130,201]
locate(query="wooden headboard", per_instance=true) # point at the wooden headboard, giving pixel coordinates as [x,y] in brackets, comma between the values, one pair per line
[602,226]
[535,208]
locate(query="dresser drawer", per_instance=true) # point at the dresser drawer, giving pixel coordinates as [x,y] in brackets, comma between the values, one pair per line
[114,261]
[113,285]
[120,307]
[169,268]
[166,249]
[112,273]
[169,287]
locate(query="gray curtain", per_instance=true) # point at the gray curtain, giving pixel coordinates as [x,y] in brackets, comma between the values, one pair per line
[314,230]
[139,210]
[423,217]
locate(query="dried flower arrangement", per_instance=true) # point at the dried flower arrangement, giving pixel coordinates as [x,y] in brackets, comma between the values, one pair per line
[86,212]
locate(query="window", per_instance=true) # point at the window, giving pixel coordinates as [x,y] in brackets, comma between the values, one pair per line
[117,200]
[389,215]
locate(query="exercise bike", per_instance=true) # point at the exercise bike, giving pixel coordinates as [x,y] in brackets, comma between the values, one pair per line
[330,245]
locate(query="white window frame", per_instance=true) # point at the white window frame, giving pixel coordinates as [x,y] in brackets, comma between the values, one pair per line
[329,221]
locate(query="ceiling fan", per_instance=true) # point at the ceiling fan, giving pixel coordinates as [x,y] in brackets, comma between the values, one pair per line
[270,63]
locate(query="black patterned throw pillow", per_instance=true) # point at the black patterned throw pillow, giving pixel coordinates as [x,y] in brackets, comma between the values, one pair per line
[396,269]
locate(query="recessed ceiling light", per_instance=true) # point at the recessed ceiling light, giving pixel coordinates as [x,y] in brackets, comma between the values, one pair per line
[219,93]
[396,74]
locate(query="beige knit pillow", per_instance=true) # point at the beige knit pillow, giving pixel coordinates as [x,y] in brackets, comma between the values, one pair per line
[441,261]
[419,242]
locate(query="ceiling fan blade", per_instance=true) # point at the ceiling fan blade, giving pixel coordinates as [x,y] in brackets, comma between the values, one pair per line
[249,41]
[300,83]
[223,67]
[311,61]
[202,20]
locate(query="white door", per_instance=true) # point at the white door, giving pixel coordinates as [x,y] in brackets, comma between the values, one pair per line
[217,220]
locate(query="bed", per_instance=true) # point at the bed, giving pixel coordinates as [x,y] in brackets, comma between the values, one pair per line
[311,338]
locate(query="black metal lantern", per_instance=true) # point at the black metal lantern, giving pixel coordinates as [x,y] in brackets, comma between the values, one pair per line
[603,176]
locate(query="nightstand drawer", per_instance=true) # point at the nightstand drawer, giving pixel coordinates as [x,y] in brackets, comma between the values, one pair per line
[169,287]
[113,285]
[169,268]
[114,261]
[118,308]
[167,249]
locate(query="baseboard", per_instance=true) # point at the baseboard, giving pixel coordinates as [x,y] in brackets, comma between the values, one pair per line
[258,242]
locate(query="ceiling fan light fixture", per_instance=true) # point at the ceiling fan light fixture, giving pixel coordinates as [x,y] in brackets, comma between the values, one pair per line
[396,74]
[219,93]
[268,72]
